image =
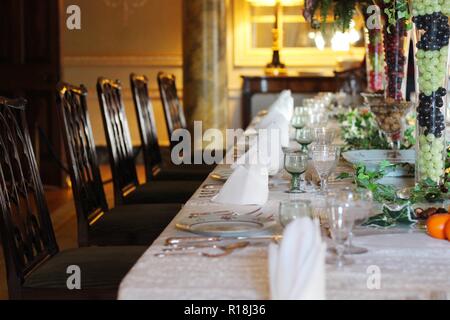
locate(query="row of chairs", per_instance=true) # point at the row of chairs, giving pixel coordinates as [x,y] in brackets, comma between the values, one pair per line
[110,239]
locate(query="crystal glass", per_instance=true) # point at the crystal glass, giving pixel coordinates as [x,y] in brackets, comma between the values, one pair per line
[340,224]
[293,209]
[300,118]
[360,205]
[295,163]
[431,38]
[305,137]
[324,136]
[324,158]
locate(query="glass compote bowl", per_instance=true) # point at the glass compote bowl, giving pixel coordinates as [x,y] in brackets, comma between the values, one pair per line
[324,158]
[390,116]
[305,137]
[295,163]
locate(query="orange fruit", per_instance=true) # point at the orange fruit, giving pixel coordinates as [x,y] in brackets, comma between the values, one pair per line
[447,230]
[436,225]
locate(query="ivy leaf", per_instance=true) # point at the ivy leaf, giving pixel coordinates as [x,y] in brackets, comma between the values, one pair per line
[344,175]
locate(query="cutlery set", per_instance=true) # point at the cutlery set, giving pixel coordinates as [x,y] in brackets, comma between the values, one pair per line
[189,246]
[224,250]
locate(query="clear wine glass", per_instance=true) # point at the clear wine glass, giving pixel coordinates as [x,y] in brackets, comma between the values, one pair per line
[305,137]
[340,224]
[324,158]
[295,163]
[360,206]
[293,209]
[324,136]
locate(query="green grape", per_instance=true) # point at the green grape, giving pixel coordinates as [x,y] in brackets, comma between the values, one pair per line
[423,139]
[426,148]
[427,156]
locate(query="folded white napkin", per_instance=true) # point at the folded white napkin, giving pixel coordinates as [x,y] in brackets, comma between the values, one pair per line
[247,185]
[277,122]
[297,265]
[265,151]
[284,105]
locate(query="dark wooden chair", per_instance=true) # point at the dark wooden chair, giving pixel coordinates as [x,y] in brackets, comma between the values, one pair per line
[35,267]
[155,168]
[127,189]
[174,112]
[97,224]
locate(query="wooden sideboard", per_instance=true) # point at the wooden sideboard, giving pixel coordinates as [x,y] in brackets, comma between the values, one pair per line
[269,84]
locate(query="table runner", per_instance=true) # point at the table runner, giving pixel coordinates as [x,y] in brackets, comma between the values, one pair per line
[411,264]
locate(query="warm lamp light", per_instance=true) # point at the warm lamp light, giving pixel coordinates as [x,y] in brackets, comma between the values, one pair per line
[275,68]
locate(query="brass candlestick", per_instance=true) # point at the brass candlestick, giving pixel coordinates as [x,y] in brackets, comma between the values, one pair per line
[276,67]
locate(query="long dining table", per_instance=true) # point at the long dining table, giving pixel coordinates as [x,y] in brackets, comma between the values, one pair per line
[401,263]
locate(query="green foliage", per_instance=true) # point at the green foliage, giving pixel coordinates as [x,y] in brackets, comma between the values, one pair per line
[360,131]
[426,191]
[343,12]
[395,11]
[390,218]
[368,179]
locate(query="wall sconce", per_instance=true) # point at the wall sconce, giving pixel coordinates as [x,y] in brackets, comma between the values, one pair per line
[276,67]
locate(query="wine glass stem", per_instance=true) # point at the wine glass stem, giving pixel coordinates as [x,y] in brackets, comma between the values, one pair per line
[396,145]
[340,248]
[350,240]
[323,184]
[295,183]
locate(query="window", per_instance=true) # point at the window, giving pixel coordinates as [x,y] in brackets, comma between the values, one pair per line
[303,47]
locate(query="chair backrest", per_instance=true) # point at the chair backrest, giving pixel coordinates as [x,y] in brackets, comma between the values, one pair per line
[118,138]
[173,110]
[87,186]
[25,225]
[147,125]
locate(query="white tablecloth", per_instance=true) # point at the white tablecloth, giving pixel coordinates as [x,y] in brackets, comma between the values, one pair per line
[411,264]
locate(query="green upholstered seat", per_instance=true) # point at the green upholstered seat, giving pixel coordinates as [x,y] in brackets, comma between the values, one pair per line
[101,267]
[132,224]
[163,192]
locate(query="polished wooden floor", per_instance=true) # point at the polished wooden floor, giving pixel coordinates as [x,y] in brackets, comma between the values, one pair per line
[62,210]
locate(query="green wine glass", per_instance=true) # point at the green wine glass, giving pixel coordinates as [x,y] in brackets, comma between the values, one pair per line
[305,137]
[295,163]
